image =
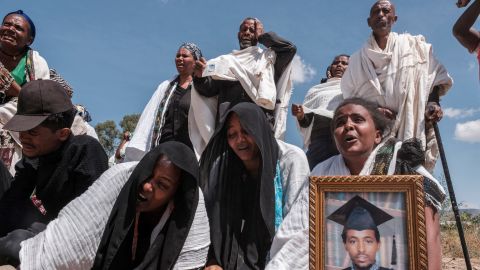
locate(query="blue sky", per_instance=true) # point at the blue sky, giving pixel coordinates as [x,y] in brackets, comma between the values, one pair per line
[115,53]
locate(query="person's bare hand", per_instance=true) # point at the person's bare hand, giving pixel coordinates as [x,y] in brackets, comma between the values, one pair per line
[213,267]
[433,112]
[462,3]
[126,136]
[297,111]
[388,113]
[199,67]
[258,28]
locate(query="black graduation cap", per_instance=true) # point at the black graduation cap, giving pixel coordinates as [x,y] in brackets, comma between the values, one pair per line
[358,214]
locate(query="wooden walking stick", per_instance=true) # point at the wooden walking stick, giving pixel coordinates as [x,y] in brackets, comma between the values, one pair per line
[453,200]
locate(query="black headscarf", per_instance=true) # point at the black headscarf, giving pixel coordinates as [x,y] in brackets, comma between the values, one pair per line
[224,187]
[115,249]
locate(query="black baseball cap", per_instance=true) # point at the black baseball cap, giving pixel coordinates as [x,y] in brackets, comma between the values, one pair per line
[38,100]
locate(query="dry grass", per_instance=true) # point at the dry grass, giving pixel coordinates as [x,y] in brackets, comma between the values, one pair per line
[459,264]
[452,249]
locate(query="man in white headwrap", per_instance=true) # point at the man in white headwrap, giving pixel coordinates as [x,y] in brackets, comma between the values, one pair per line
[401,74]
[251,74]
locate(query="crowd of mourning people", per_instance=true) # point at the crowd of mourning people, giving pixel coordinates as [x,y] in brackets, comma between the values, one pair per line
[206,181]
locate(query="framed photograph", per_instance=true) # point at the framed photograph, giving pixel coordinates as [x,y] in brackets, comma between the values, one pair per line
[373,222]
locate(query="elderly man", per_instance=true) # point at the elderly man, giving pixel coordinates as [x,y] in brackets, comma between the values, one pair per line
[251,74]
[400,73]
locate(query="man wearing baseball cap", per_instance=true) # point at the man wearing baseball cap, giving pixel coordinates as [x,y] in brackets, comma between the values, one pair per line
[56,166]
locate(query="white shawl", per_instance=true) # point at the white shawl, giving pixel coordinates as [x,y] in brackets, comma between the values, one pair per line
[41,67]
[141,141]
[294,171]
[253,68]
[322,99]
[290,248]
[399,78]
[81,127]
[71,240]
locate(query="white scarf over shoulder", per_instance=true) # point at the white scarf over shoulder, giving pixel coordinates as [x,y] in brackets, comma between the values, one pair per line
[41,67]
[322,99]
[400,78]
[253,68]
[141,141]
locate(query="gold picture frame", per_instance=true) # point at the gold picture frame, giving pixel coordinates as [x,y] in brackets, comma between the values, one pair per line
[407,190]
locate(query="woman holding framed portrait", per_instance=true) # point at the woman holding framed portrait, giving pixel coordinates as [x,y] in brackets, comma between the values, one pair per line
[359,128]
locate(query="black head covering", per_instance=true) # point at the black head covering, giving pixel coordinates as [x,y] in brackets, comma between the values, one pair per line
[115,249]
[359,214]
[224,186]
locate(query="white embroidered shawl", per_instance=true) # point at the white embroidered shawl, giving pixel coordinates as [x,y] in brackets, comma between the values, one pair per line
[253,68]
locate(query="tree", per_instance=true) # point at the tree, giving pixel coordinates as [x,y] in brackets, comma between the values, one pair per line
[128,123]
[107,135]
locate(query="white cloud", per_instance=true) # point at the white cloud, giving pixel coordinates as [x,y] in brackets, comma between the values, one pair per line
[468,131]
[459,113]
[471,66]
[301,71]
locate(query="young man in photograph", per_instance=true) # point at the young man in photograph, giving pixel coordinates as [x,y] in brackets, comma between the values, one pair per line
[360,235]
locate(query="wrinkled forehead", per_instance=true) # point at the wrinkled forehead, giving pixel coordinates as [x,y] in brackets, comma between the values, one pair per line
[381,4]
[247,22]
[341,58]
[16,18]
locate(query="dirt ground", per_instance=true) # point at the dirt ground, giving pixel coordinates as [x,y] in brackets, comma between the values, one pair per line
[459,264]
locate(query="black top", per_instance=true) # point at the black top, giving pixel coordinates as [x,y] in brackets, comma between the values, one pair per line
[59,177]
[175,127]
[5,178]
[231,92]
[322,145]
[115,249]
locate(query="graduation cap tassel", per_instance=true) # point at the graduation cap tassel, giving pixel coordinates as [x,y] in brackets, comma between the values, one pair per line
[453,200]
[394,252]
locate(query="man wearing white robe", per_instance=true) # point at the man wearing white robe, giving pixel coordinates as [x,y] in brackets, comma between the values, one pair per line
[251,74]
[401,74]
